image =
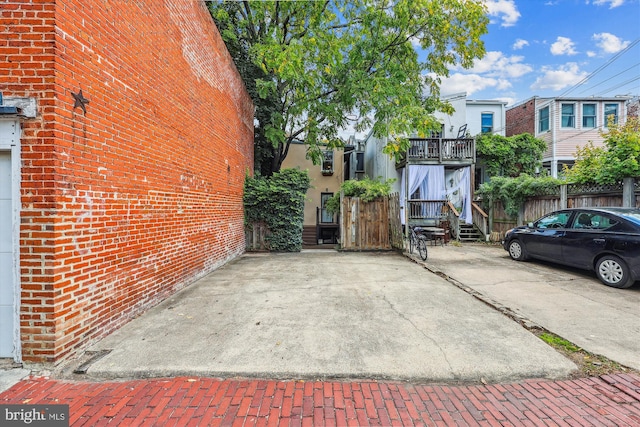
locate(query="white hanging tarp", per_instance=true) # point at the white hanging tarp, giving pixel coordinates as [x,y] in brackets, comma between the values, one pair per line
[429,179]
[458,192]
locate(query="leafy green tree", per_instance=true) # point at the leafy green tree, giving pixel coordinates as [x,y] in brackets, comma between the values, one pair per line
[512,155]
[313,67]
[618,159]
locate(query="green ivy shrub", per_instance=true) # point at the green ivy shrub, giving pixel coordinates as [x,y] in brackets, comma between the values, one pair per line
[510,155]
[366,189]
[513,192]
[278,201]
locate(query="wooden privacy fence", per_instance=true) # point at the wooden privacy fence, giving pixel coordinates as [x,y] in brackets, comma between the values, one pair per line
[371,225]
[566,196]
[395,223]
[255,235]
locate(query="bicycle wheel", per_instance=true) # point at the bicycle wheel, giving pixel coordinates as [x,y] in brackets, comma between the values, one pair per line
[422,248]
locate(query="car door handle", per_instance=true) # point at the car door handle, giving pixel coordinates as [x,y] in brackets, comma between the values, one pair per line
[598,241]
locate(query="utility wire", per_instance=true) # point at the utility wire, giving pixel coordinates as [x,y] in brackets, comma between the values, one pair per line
[620,85]
[612,77]
[602,67]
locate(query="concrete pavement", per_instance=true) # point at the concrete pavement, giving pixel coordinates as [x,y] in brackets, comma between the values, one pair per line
[10,376]
[325,314]
[323,319]
[571,303]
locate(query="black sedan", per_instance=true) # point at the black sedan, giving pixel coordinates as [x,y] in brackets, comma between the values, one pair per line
[604,240]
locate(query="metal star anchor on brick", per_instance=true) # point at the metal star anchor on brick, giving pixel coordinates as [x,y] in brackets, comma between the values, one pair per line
[80,101]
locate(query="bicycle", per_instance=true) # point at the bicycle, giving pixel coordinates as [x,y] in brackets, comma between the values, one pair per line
[419,240]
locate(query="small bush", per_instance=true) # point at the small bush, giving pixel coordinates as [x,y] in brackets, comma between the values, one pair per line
[366,189]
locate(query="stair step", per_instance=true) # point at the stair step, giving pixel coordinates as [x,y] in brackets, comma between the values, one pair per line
[468,233]
[309,235]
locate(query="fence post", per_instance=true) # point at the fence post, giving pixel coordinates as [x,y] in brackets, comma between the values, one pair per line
[521,215]
[563,196]
[490,217]
[628,193]
[342,218]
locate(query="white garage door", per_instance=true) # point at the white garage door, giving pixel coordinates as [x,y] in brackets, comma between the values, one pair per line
[7,317]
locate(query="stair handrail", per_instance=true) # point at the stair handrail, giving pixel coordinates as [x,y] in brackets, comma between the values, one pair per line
[480,219]
[453,209]
[454,219]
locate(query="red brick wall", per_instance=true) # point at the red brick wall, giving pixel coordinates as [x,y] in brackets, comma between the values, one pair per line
[521,119]
[142,195]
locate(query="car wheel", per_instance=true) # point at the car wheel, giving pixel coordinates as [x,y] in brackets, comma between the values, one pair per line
[612,271]
[516,250]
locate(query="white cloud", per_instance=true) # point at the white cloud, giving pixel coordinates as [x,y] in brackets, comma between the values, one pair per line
[493,71]
[609,43]
[563,46]
[470,83]
[508,99]
[591,53]
[496,64]
[519,44]
[560,78]
[506,10]
[611,3]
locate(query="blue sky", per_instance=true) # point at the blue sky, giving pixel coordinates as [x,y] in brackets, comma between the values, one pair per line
[548,47]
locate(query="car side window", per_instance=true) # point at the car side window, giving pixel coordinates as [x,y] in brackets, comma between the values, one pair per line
[593,222]
[555,220]
[601,222]
[583,220]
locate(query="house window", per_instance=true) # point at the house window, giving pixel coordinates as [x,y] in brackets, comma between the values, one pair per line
[437,134]
[487,122]
[543,119]
[325,216]
[327,163]
[589,115]
[610,110]
[568,116]
[360,161]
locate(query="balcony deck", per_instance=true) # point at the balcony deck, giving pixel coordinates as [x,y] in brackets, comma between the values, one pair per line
[440,151]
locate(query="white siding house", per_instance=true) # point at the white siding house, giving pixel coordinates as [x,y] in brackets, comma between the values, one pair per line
[467,117]
[444,163]
[565,124]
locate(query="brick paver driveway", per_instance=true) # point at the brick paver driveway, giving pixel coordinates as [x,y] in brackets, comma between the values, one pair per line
[607,401]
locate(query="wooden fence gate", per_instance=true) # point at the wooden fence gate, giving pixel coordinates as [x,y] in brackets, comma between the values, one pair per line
[371,225]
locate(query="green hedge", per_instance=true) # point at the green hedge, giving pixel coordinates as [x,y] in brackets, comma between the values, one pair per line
[278,201]
[513,192]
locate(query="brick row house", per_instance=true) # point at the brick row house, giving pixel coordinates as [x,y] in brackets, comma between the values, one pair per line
[125,136]
[565,123]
